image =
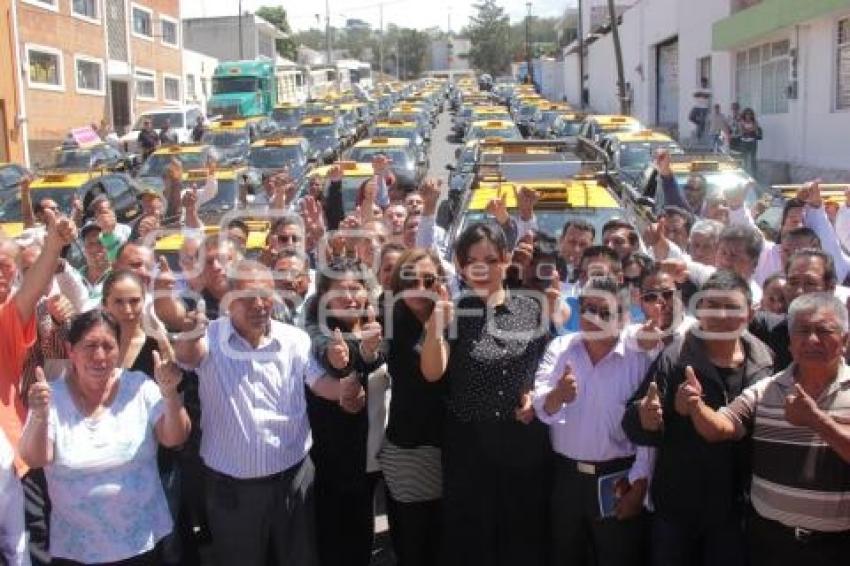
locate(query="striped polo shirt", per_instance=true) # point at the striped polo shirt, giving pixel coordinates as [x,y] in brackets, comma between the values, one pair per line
[253,407]
[798,480]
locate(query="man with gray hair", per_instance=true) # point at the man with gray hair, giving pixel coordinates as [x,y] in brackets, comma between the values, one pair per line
[800,441]
[703,240]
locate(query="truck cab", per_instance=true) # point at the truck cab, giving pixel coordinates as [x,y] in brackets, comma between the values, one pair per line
[243,88]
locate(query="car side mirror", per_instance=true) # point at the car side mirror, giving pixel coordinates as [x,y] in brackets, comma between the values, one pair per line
[450,167]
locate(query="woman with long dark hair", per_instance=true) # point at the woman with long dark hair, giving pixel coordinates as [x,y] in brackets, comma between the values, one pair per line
[346,340]
[411,455]
[751,134]
[495,452]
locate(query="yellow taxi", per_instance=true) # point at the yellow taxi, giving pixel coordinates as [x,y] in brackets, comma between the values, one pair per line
[504,129]
[169,245]
[325,137]
[581,197]
[290,152]
[408,167]
[598,126]
[567,125]
[396,128]
[287,116]
[229,181]
[630,152]
[193,156]
[353,176]
[489,113]
[231,138]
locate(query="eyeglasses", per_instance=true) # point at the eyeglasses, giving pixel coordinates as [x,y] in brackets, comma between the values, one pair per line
[602,313]
[652,296]
[287,238]
[428,281]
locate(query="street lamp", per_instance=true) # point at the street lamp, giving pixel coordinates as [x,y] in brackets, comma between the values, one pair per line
[528,45]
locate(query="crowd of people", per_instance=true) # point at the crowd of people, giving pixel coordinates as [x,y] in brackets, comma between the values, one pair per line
[612,396]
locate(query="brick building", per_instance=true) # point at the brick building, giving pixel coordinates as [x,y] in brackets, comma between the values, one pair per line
[87,60]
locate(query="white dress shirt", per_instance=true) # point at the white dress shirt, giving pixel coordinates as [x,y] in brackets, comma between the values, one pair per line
[588,429]
[254,412]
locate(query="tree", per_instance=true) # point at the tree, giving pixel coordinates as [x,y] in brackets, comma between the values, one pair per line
[276,16]
[488,34]
[413,45]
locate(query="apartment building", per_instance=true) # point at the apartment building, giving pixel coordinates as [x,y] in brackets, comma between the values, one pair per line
[84,61]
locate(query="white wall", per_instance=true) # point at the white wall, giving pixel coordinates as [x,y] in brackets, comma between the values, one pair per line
[202,68]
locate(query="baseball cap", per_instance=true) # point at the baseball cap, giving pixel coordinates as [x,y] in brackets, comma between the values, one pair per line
[88,227]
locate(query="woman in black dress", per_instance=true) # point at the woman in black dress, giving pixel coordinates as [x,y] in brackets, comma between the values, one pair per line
[486,346]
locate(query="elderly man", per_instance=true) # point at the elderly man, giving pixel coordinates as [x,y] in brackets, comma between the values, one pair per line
[252,372]
[799,441]
[600,476]
[18,323]
[697,488]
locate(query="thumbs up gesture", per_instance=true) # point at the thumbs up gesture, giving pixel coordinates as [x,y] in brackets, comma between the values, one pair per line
[650,411]
[649,335]
[567,386]
[524,413]
[443,313]
[167,375]
[38,397]
[689,392]
[801,409]
[371,334]
[337,352]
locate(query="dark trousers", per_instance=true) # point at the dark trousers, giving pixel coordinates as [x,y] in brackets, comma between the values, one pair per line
[37,516]
[151,558]
[495,492]
[774,544]
[344,520]
[676,542]
[579,536]
[415,530]
[257,522]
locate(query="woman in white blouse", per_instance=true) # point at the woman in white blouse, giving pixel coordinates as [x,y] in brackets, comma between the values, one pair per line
[95,432]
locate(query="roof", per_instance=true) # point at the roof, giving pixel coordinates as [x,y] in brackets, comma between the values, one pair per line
[383,142]
[575,193]
[349,169]
[643,136]
[220,174]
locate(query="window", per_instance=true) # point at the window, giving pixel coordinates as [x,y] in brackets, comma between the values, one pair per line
[190,87]
[842,74]
[762,76]
[142,22]
[47,4]
[89,75]
[169,31]
[704,72]
[145,84]
[171,88]
[85,9]
[45,68]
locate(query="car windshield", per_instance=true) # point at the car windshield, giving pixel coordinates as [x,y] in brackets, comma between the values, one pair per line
[226,138]
[566,127]
[9,176]
[407,133]
[638,155]
[527,109]
[287,115]
[719,181]
[312,132]
[365,155]
[224,85]
[275,157]
[477,133]
[158,120]
[11,209]
[71,159]
[552,221]
[155,165]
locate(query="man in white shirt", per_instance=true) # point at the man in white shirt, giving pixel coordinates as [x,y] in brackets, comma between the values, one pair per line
[601,478]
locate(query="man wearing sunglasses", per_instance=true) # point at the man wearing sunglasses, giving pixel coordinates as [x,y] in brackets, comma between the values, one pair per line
[698,488]
[600,476]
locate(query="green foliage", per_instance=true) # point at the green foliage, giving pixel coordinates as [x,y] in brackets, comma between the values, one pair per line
[488,32]
[276,16]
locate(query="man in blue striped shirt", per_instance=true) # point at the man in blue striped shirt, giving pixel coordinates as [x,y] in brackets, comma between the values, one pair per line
[252,371]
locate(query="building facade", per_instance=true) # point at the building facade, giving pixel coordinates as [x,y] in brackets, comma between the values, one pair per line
[84,61]
[787,60]
[198,71]
[220,37]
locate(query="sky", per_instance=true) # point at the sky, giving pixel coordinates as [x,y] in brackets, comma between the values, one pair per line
[418,14]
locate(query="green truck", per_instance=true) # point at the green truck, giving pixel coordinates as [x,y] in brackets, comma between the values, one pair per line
[241,89]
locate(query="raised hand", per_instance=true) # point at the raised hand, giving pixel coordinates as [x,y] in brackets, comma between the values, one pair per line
[371,333]
[167,375]
[654,233]
[524,251]
[810,193]
[335,173]
[567,386]
[649,336]
[443,313]
[430,191]
[60,309]
[189,200]
[61,230]
[524,413]
[165,279]
[38,396]
[650,411]
[688,393]
[662,162]
[337,352]
[801,409]
[499,209]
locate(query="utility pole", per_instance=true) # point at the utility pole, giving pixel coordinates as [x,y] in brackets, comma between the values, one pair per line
[581,54]
[241,55]
[328,30]
[528,70]
[618,54]
[381,41]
